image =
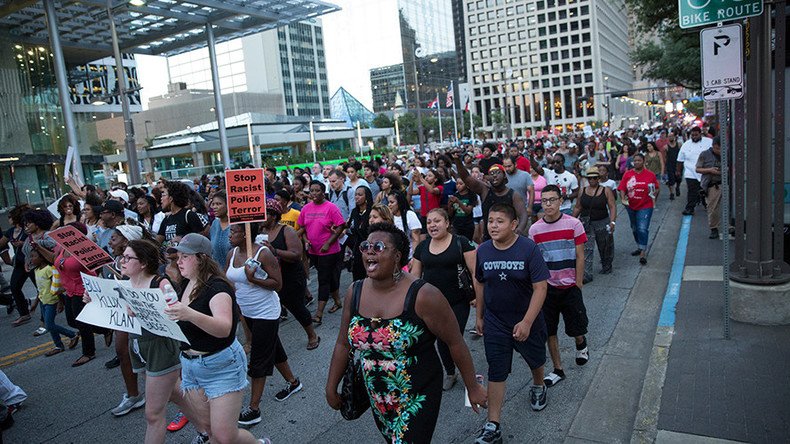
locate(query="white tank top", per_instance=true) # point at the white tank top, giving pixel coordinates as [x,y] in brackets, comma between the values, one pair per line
[254,301]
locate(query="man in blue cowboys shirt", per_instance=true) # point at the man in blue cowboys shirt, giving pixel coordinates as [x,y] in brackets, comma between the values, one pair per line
[513,274]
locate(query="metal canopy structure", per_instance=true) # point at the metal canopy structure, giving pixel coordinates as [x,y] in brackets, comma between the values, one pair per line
[155,27]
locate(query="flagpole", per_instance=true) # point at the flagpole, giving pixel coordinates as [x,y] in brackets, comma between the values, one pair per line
[455,122]
[471,125]
[439,113]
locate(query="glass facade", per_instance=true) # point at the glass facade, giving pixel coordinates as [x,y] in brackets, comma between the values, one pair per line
[387,84]
[347,107]
[303,70]
[194,68]
[32,136]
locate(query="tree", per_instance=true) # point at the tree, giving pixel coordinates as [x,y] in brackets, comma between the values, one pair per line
[104,147]
[382,121]
[673,56]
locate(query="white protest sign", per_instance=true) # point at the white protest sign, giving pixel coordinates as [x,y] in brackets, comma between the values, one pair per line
[106,308]
[69,161]
[148,306]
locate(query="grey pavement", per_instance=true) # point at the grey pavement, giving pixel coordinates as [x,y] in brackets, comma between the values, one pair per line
[735,389]
[597,402]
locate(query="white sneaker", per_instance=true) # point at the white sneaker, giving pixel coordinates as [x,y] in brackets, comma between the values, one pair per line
[40,331]
[128,404]
[449,381]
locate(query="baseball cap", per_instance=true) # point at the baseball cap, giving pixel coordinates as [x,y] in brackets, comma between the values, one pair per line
[192,243]
[113,206]
[121,194]
[496,166]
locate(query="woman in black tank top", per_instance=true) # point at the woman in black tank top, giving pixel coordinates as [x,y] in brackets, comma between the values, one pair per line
[596,209]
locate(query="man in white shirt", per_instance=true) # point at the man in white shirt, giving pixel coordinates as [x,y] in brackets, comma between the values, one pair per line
[687,164]
[556,174]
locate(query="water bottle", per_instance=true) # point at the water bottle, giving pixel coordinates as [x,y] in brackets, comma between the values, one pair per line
[171,297]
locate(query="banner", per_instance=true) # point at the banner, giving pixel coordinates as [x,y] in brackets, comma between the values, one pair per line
[90,255]
[246,195]
[148,306]
[106,308]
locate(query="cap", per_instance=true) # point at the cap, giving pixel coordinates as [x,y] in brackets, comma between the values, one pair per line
[592,172]
[273,206]
[121,194]
[113,206]
[192,243]
[130,232]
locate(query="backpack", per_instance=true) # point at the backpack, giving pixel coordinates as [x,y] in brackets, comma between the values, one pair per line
[344,195]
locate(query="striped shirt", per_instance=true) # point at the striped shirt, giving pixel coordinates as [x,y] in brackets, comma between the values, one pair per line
[557,241]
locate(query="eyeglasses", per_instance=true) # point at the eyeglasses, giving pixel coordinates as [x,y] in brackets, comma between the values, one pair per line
[126,258]
[377,247]
[550,201]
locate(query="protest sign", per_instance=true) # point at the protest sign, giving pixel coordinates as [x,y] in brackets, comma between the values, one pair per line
[148,306]
[246,195]
[106,308]
[90,255]
[69,162]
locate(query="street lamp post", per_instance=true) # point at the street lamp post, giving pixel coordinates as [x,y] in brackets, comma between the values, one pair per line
[608,106]
[420,138]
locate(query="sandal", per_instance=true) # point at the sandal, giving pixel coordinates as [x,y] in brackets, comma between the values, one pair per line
[83,360]
[108,339]
[335,308]
[317,320]
[22,320]
[314,345]
[53,352]
[74,341]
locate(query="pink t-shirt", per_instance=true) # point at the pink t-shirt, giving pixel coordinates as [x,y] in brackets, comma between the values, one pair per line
[539,184]
[318,221]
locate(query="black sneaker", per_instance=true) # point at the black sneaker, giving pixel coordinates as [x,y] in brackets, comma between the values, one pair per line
[249,416]
[587,280]
[688,212]
[489,434]
[636,252]
[289,390]
[714,234]
[606,270]
[537,397]
[112,363]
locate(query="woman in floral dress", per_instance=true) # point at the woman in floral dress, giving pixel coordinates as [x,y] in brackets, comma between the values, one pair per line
[393,319]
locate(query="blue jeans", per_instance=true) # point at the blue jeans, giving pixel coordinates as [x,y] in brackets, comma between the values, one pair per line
[640,225]
[49,311]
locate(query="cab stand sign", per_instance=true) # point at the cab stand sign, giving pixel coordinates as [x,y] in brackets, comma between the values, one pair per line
[693,13]
[722,63]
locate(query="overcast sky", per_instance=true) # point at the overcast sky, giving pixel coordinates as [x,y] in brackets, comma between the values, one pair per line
[363,35]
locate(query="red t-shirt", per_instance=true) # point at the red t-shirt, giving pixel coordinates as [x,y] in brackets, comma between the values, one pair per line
[429,201]
[637,188]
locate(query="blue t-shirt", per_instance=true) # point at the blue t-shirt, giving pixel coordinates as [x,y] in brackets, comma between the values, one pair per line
[220,242]
[507,277]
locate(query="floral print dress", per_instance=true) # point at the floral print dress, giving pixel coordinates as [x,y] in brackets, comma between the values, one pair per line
[401,368]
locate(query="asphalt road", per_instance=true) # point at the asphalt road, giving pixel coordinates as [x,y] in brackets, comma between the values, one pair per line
[72,405]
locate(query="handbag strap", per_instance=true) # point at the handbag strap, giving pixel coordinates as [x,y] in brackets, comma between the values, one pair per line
[356,295]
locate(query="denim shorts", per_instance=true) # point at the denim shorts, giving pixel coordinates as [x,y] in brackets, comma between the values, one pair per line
[217,374]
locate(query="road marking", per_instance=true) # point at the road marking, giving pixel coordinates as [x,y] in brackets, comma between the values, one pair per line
[24,355]
[667,318]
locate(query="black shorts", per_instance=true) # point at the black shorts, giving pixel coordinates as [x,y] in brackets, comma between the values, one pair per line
[569,303]
[266,349]
[500,344]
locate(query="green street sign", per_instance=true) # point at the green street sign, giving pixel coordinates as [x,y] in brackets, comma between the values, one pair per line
[695,13]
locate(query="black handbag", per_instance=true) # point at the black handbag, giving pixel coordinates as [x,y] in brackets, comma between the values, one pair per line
[465,285]
[353,393]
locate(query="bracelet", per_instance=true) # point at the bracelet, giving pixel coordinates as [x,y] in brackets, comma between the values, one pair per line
[613,223]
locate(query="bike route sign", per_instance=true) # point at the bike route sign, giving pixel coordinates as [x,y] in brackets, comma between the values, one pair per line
[693,13]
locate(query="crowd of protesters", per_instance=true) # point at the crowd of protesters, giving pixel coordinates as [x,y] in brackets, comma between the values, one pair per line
[505,230]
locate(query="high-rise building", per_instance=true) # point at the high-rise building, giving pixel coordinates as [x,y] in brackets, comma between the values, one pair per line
[288,61]
[430,56]
[545,63]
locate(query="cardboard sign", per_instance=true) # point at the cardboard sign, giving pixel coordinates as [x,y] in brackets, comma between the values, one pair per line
[107,309]
[246,195]
[148,306]
[90,255]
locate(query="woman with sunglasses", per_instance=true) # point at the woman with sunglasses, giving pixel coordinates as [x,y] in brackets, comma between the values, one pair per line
[596,209]
[213,363]
[393,319]
[437,260]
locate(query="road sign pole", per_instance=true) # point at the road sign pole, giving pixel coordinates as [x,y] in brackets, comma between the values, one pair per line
[724,136]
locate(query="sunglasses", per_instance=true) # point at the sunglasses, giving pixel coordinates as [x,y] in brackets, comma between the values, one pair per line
[376,247]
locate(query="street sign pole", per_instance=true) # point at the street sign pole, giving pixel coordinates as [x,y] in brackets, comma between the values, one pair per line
[724,136]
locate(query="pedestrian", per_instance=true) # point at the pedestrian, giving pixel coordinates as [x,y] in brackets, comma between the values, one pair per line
[389,183]
[460,206]
[520,182]
[393,319]
[561,240]
[321,225]
[673,178]
[37,224]
[357,226]
[566,181]
[513,275]
[220,228]
[639,190]
[147,212]
[380,213]
[70,270]
[213,363]
[50,302]
[709,165]
[596,209]
[654,160]
[405,219]
[284,243]
[440,260]
[69,210]
[14,239]
[687,166]
[339,193]
[181,220]
[539,182]
[429,188]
